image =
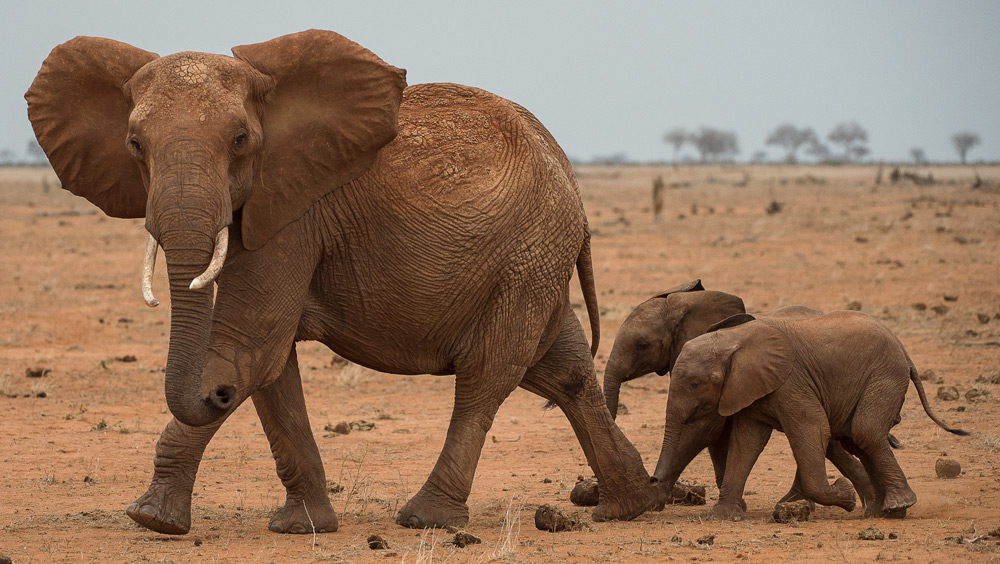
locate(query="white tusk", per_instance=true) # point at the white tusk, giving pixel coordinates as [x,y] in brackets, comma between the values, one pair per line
[147,273]
[218,259]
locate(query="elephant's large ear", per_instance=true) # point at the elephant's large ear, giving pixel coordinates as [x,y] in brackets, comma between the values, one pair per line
[333,106]
[762,360]
[78,109]
[692,286]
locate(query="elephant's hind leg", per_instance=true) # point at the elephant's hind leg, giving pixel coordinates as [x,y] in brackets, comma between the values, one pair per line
[481,385]
[166,505]
[873,418]
[282,411]
[809,439]
[565,375]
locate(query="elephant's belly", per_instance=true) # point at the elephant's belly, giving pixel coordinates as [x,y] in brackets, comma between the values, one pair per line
[372,345]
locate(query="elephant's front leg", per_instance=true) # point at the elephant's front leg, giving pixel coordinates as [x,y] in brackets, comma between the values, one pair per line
[282,411]
[746,442]
[718,450]
[440,503]
[166,505]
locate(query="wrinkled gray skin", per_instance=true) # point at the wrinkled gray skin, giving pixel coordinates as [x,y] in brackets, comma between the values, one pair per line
[838,376]
[651,338]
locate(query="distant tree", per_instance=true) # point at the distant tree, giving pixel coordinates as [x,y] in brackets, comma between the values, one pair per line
[676,138]
[963,141]
[715,144]
[818,151]
[919,157]
[759,157]
[850,135]
[6,157]
[859,152]
[791,139]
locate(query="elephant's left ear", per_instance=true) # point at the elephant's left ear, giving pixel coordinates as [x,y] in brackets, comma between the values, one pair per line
[333,106]
[762,360]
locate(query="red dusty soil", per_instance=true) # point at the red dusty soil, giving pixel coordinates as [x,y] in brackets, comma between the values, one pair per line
[76,445]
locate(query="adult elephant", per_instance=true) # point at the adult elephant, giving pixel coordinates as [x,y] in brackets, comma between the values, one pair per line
[428,230]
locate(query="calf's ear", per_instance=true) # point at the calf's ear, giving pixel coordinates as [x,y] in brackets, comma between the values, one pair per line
[759,365]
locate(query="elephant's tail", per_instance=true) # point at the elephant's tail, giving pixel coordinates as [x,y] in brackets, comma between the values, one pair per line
[585,270]
[915,378]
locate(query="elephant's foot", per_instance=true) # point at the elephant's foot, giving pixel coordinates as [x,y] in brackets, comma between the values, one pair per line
[426,511]
[898,500]
[625,507]
[162,510]
[845,494]
[877,512]
[728,511]
[301,517]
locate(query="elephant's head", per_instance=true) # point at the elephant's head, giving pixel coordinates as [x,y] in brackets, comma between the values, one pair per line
[195,143]
[652,336]
[716,375]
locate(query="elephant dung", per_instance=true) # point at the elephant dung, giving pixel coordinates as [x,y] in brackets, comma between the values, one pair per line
[585,492]
[792,511]
[947,468]
[977,394]
[871,533]
[947,393]
[551,519]
[463,539]
[687,494]
[376,542]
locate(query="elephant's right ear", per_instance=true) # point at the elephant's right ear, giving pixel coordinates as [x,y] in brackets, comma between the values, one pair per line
[333,106]
[692,286]
[762,360]
[78,109]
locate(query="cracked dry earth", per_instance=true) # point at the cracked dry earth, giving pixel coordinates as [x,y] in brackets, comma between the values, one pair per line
[76,440]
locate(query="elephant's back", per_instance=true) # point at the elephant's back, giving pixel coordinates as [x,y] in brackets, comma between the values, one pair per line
[465,150]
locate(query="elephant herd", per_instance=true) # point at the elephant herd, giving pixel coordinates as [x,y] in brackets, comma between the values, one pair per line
[300,190]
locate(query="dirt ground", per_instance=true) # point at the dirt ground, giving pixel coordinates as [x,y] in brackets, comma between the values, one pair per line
[76,443]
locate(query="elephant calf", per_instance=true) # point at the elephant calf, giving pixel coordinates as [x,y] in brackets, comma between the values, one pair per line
[841,376]
[652,337]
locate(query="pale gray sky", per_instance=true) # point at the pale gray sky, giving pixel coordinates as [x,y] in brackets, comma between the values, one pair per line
[608,77]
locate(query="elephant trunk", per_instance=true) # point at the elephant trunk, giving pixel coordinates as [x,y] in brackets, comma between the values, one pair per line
[680,446]
[190,329]
[615,373]
[188,213]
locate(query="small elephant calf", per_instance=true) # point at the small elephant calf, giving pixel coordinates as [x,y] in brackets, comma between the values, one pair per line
[652,337]
[840,376]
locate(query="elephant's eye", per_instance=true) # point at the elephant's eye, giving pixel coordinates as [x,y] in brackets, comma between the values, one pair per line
[642,346]
[694,385]
[135,146]
[240,140]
